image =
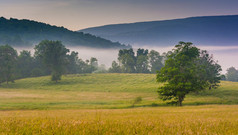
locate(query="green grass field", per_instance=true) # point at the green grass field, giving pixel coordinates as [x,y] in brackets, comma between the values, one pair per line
[102,104]
[100,91]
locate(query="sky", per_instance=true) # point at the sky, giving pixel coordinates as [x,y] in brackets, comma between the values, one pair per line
[80,14]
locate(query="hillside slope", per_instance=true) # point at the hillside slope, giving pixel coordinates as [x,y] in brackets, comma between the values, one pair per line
[100,91]
[27,33]
[209,30]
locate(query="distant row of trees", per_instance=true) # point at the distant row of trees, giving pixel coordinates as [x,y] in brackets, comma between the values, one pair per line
[53,58]
[50,58]
[143,62]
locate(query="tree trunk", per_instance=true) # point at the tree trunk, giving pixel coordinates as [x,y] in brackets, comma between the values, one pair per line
[180,100]
[7,81]
[180,103]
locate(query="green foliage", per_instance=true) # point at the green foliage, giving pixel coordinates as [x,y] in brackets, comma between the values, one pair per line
[25,64]
[212,69]
[128,60]
[155,60]
[76,65]
[8,59]
[53,55]
[72,60]
[187,70]
[143,62]
[36,72]
[93,64]
[25,33]
[232,74]
[137,100]
[115,68]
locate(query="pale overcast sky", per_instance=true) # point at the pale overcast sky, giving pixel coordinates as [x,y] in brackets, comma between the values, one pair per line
[79,14]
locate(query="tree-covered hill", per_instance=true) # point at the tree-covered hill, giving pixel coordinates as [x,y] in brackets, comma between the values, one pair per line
[27,33]
[207,30]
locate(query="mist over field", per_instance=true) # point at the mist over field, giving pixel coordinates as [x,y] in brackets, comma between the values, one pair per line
[224,55]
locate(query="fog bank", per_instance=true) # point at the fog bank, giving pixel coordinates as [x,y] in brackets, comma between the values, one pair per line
[226,56]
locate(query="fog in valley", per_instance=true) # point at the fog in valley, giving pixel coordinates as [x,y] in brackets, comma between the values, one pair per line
[226,56]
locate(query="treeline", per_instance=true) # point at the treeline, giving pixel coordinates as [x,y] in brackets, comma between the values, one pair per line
[141,62]
[53,58]
[50,58]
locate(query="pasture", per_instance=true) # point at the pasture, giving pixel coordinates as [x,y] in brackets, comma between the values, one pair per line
[100,91]
[103,104]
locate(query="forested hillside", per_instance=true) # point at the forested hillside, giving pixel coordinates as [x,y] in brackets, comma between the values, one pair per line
[207,30]
[27,33]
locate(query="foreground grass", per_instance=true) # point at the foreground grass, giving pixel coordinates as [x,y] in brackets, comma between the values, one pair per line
[100,91]
[215,119]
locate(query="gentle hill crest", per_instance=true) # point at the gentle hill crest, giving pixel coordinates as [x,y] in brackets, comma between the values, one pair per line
[27,33]
[205,30]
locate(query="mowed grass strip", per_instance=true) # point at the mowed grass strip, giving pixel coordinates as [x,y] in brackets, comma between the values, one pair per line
[189,120]
[100,91]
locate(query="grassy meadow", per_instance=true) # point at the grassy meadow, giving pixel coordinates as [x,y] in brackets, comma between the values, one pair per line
[103,104]
[100,91]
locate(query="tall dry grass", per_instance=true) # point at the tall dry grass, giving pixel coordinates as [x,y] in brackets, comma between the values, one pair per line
[217,119]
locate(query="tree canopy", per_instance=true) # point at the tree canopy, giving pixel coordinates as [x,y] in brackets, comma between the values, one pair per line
[8,59]
[53,55]
[155,60]
[143,62]
[232,74]
[187,69]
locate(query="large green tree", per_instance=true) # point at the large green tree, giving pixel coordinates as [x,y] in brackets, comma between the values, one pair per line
[187,69]
[8,59]
[53,55]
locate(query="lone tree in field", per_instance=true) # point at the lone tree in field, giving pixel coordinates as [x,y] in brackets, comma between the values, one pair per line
[8,59]
[187,69]
[53,55]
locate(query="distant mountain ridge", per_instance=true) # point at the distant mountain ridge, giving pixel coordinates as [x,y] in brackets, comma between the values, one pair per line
[27,33]
[207,30]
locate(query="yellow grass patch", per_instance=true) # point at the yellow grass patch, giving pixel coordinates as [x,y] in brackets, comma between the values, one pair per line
[162,120]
